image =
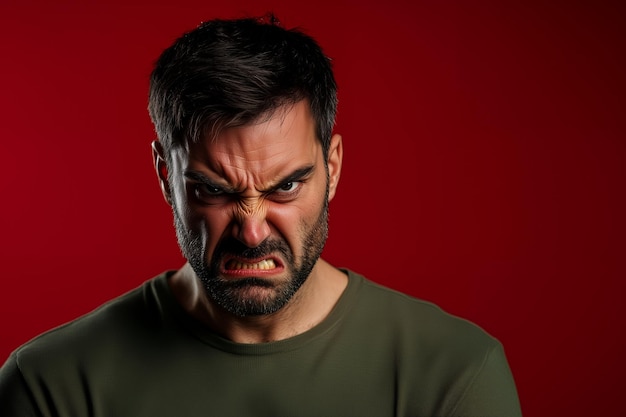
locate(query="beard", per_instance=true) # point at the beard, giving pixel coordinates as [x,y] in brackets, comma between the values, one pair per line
[253,296]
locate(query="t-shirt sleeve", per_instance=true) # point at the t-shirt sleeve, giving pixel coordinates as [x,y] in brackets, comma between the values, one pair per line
[492,392]
[15,397]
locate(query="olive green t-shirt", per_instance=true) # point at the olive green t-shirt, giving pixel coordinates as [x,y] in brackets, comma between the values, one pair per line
[378,353]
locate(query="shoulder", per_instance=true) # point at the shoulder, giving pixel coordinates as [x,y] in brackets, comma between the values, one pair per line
[409,310]
[464,366]
[419,325]
[55,370]
[95,333]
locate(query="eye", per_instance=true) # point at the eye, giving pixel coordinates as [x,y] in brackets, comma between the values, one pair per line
[206,192]
[288,187]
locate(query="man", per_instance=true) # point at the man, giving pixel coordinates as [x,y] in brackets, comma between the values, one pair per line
[256,323]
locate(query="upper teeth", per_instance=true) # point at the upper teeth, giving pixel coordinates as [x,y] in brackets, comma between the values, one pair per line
[264,264]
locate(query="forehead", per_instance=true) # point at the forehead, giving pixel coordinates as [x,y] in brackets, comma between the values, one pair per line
[258,151]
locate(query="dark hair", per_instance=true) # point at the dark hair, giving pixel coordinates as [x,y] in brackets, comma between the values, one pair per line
[228,73]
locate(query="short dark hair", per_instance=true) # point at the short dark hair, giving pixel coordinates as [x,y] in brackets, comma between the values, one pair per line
[229,73]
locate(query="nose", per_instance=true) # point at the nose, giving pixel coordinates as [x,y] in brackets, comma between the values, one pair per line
[251,228]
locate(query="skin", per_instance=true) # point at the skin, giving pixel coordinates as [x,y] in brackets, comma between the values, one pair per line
[268,182]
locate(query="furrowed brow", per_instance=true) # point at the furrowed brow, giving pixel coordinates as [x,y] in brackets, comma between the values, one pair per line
[203,179]
[297,175]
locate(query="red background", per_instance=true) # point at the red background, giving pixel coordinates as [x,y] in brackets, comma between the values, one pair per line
[484,167]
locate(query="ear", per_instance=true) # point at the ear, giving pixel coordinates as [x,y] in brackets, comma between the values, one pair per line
[335,158]
[160,166]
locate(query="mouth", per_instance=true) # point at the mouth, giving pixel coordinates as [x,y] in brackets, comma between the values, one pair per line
[239,266]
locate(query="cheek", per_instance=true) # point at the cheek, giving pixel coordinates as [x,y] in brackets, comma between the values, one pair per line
[282,218]
[292,221]
[216,221]
[210,224]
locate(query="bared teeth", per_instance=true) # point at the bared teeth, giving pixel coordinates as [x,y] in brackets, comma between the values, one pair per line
[264,264]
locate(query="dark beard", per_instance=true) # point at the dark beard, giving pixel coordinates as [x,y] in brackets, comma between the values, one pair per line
[237,296]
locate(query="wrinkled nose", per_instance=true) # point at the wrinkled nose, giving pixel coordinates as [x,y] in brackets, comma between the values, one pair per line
[251,229]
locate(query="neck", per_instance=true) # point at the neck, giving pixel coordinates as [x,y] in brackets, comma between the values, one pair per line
[309,306]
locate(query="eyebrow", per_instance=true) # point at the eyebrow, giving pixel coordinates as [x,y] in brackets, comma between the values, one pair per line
[297,175]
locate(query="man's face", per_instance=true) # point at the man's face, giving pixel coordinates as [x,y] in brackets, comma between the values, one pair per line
[250,209]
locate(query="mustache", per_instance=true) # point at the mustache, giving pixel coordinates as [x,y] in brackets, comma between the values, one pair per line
[234,247]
